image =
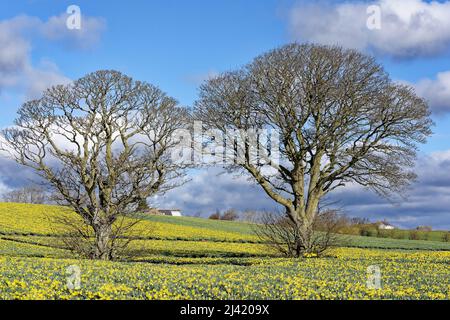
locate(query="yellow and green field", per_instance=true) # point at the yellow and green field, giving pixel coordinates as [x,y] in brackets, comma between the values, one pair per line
[193,258]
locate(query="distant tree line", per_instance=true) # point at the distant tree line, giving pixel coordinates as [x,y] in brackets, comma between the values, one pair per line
[228,215]
[27,194]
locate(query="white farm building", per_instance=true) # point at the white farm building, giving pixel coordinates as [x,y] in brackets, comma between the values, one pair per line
[165,212]
[385,226]
[170,212]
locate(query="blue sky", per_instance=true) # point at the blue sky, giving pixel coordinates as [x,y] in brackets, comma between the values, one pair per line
[168,43]
[177,44]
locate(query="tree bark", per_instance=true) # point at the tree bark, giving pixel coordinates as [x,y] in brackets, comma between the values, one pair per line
[102,249]
[303,218]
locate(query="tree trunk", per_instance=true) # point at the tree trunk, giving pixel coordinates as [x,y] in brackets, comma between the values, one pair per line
[304,218]
[102,248]
[306,234]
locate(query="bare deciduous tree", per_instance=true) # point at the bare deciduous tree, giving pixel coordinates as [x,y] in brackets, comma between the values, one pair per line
[103,142]
[340,120]
[79,237]
[230,215]
[27,194]
[279,232]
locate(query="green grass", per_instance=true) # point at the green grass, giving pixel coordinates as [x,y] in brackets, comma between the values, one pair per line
[219,225]
[23,249]
[421,235]
[34,221]
[351,241]
[387,243]
[405,275]
[33,265]
[371,230]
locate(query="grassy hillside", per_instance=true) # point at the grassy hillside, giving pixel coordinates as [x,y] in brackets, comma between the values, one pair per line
[219,225]
[192,258]
[419,275]
[246,229]
[373,231]
[39,220]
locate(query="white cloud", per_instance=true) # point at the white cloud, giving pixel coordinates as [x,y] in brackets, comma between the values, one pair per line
[199,78]
[87,36]
[211,189]
[14,51]
[427,202]
[3,189]
[436,92]
[409,28]
[16,37]
[14,54]
[44,76]
[55,29]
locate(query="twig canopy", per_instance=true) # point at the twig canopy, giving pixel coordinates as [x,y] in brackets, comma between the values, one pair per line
[339,116]
[103,143]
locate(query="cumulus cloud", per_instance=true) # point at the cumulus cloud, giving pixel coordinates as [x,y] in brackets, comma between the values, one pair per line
[199,78]
[3,189]
[14,55]
[45,75]
[427,203]
[14,52]
[55,29]
[211,189]
[16,37]
[87,36]
[436,92]
[409,28]
[13,175]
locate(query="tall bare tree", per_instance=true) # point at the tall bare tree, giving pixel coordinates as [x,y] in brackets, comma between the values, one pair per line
[103,143]
[340,120]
